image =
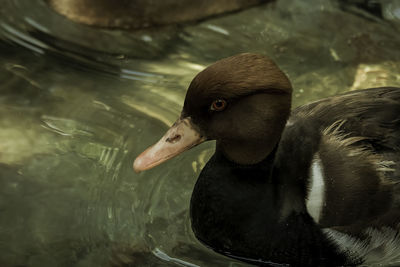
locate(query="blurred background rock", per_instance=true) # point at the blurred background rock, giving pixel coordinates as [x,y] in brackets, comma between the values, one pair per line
[386,9]
[139,14]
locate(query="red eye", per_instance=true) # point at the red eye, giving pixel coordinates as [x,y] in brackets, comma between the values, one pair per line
[218,105]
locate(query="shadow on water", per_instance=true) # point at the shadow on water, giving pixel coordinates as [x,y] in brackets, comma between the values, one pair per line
[77,104]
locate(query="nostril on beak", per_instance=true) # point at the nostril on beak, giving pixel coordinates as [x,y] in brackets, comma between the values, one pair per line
[174,139]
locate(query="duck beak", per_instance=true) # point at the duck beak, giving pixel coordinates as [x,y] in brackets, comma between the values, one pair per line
[182,136]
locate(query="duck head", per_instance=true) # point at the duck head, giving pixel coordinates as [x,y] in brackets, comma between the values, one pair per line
[242,102]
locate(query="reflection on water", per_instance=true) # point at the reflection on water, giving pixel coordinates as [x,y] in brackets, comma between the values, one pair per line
[79,103]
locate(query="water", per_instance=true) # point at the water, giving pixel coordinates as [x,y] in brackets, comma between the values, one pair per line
[77,104]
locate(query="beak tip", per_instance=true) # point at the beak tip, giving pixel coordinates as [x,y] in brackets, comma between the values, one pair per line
[136,166]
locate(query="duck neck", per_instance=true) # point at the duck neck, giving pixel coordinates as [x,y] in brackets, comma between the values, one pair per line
[287,193]
[261,160]
[249,152]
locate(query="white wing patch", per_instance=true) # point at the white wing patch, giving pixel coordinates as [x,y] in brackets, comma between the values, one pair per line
[380,248]
[316,193]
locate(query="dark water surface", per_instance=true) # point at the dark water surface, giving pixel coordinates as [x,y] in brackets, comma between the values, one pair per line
[77,104]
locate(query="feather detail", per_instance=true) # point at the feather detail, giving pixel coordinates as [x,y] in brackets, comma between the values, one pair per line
[334,136]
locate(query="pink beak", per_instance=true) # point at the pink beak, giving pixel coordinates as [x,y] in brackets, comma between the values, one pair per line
[180,137]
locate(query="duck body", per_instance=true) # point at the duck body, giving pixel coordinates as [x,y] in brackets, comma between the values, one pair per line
[262,212]
[232,224]
[315,186]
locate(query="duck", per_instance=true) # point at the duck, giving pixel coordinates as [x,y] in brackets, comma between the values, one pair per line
[317,185]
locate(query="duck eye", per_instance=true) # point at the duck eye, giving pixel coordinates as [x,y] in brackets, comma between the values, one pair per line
[218,105]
